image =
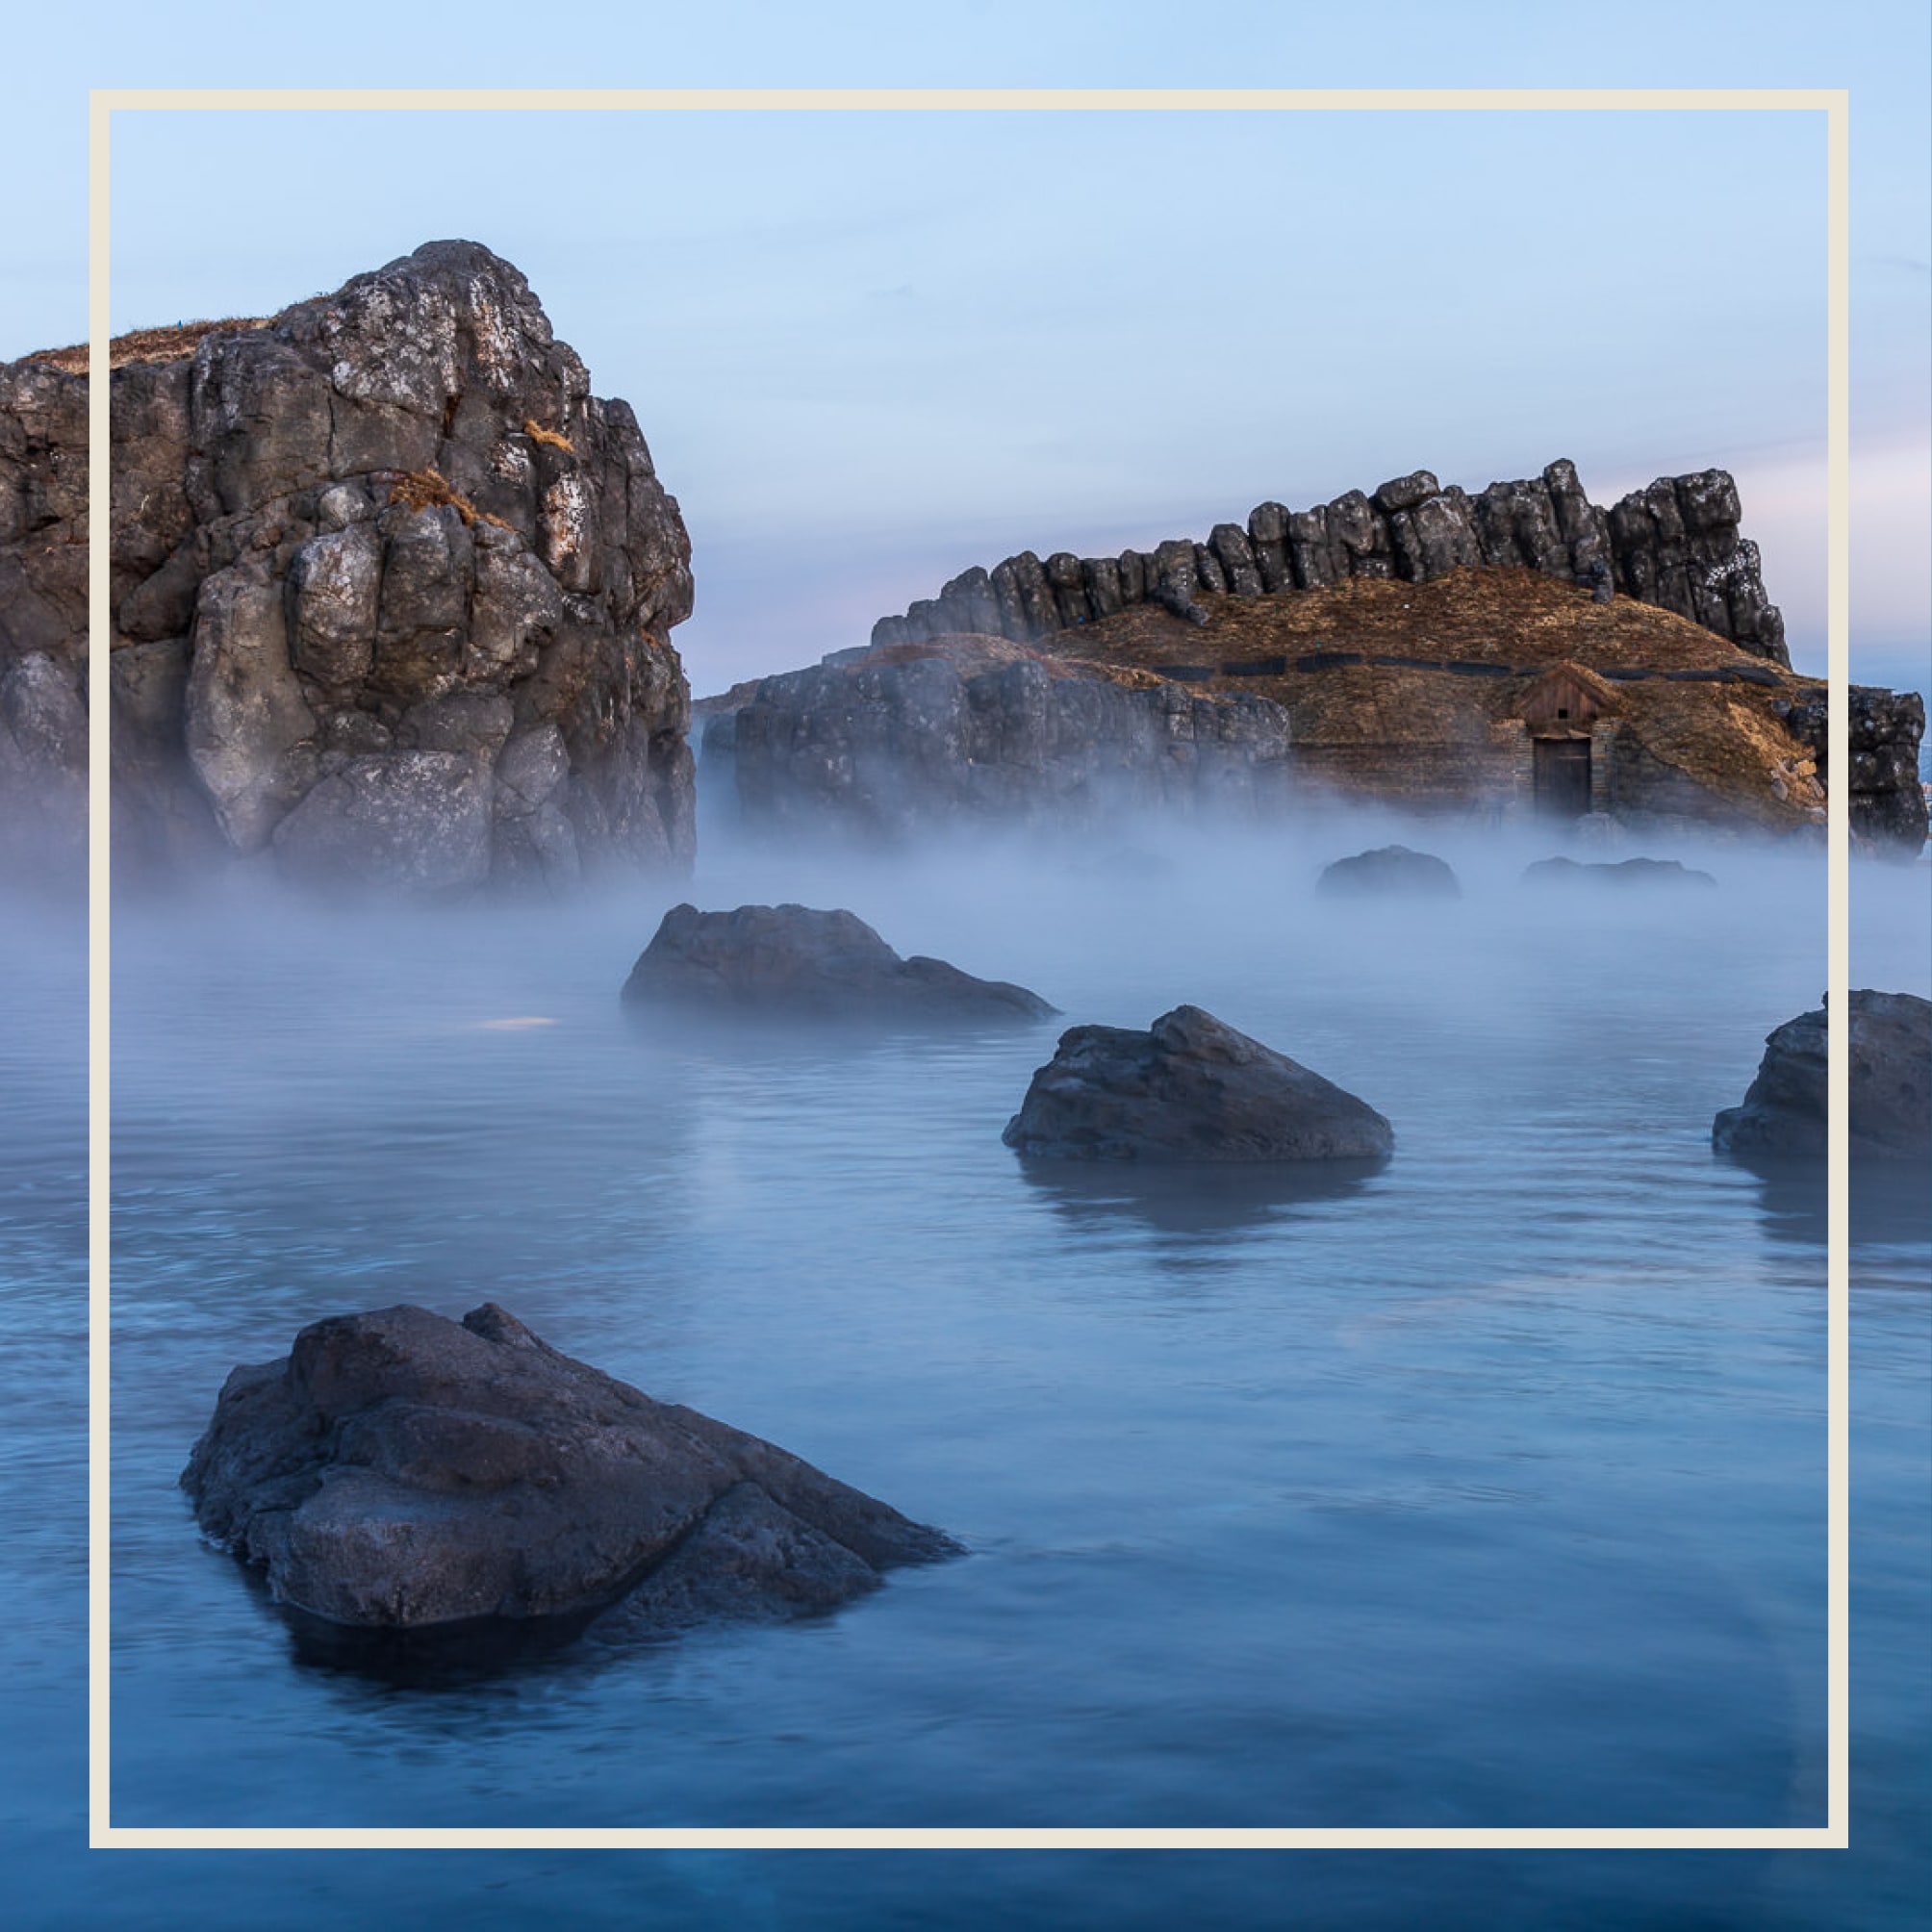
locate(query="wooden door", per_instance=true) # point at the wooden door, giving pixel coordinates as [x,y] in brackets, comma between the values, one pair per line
[1563,777]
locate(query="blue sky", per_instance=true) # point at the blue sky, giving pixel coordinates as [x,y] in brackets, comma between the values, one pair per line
[869,350]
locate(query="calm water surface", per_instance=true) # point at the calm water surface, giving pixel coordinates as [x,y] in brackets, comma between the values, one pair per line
[1485,1490]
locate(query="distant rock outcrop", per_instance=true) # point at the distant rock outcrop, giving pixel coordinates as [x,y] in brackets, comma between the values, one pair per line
[397,1470]
[878,745]
[794,963]
[1189,1089]
[1890,1113]
[1389,872]
[1458,653]
[1623,873]
[393,589]
[1675,544]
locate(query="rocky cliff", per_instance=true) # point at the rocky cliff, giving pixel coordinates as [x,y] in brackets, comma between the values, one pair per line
[393,589]
[44,612]
[1675,544]
[912,739]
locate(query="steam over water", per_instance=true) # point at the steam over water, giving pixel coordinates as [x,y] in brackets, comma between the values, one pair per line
[1486,1490]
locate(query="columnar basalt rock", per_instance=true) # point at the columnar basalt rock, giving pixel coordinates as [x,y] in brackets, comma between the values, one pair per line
[1886,806]
[392,591]
[1675,544]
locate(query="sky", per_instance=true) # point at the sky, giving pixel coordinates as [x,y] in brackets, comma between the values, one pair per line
[871,349]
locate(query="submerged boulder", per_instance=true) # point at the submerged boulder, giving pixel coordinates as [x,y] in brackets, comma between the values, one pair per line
[1189,1089]
[1389,872]
[399,1471]
[796,963]
[1891,1085]
[1624,872]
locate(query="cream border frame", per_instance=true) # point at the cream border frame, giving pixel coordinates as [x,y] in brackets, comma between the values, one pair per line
[1834,105]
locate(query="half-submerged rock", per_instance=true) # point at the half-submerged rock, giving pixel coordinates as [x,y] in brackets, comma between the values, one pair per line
[1189,1089]
[796,962]
[1891,1085]
[1627,872]
[399,1471]
[1389,872]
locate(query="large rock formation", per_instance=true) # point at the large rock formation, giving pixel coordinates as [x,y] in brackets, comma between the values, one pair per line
[1189,1089]
[44,612]
[1889,1102]
[794,963]
[1675,544]
[399,1471]
[393,589]
[891,744]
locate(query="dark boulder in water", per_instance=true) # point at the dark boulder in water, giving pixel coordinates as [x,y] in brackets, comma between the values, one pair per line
[1627,872]
[1189,1089]
[1389,872]
[794,963]
[398,1471]
[1891,1085]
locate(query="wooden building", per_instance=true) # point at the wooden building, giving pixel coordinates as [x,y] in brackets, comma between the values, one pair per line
[1569,740]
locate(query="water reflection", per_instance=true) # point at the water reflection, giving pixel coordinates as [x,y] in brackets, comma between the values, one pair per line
[1211,1202]
[1891,1202]
[436,1656]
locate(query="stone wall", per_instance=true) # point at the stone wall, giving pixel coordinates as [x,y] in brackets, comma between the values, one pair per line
[1674,545]
[393,592]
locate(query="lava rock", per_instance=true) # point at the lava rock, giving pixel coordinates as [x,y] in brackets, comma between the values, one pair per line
[1391,872]
[1624,872]
[1891,1085]
[1189,1089]
[399,497]
[399,1470]
[796,963]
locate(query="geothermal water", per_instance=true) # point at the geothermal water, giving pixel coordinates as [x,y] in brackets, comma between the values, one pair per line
[1487,1491]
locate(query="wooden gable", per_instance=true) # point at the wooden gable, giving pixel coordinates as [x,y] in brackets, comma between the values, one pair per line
[1565,698]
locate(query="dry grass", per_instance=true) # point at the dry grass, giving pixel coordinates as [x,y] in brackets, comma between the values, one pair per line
[550,439]
[149,345]
[1724,736]
[430,490]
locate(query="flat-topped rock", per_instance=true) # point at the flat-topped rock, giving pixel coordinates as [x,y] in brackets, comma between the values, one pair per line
[1626,872]
[399,1471]
[796,962]
[1389,872]
[1189,1089]
[1891,1085]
